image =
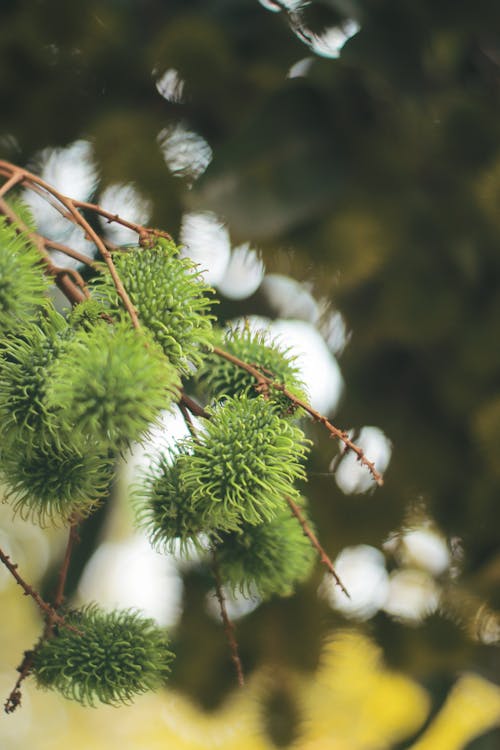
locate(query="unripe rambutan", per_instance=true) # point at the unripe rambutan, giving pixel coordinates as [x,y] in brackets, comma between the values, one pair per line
[111,383]
[169,295]
[22,282]
[53,482]
[25,359]
[218,377]
[114,657]
[244,463]
[164,506]
[269,558]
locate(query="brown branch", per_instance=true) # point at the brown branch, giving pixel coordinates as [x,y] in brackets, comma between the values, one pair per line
[50,199]
[71,206]
[24,669]
[70,289]
[110,217]
[20,226]
[72,273]
[264,384]
[315,543]
[80,257]
[68,207]
[139,229]
[186,415]
[228,625]
[195,409]
[52,617]
[92,234]
[73,540]
[262,381]
[48,610]
[61,276]
[14,180]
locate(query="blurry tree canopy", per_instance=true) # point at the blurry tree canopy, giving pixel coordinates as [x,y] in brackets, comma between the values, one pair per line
[374,173]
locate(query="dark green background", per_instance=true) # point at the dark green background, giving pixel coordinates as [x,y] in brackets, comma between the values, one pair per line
[376,178]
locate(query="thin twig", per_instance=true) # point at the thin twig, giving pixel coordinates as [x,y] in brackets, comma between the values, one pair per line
[14,180]
[89,231]
[195,409]
[315,543]
[264,384]
[139,229]
[110,217]
[61,276]
[228,625]
[48,610]
[75,276]
[73,539]
[20,226]
[80,257]
[92,234]
[24,669]
[52,617]
[186,415]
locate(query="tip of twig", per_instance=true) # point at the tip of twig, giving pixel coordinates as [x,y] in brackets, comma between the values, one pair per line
[341,586]
[12,702]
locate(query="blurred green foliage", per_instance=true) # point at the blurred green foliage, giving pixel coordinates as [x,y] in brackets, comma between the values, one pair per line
[376,177]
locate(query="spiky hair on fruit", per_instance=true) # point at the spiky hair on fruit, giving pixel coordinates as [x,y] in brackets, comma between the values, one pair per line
[243,463]
[23,284]
[25,359]
[164,506]
[87,314]
[111,383]
[170,297]
[54,482]
[218,377]
[112,658]
[268,559]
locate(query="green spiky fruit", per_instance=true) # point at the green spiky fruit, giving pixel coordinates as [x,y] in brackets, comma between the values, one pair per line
[111,384]
[87,314]
[114,657]
[23,284]
[53,482]
[25,359]
[267,559]
[164,506]
[218,377]
[244,463]
[170,296]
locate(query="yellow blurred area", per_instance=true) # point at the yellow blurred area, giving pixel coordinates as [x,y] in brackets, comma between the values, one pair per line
[473,706]
[353,703]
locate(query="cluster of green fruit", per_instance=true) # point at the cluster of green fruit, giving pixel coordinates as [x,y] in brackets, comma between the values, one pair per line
[77,389]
